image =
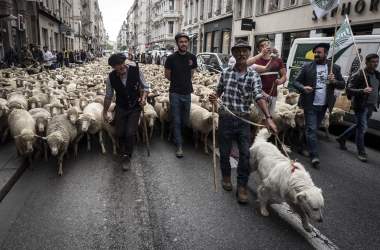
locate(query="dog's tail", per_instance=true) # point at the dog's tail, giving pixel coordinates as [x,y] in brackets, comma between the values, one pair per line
[263,135]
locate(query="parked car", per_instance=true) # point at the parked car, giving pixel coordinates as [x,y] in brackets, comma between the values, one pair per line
[213,62]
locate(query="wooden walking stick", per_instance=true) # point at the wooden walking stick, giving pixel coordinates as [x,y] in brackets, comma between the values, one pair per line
[146,132]
[213,146]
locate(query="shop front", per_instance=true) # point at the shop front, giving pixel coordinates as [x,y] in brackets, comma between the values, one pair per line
[217,36]
[363,14]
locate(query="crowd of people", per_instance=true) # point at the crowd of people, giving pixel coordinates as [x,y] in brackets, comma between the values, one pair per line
[247,80]
[34,56]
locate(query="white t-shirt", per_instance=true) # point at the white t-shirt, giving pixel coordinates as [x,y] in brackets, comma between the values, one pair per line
[320,87]
[48,57]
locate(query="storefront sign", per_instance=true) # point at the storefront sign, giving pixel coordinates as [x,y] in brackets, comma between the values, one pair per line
[246,24]
[359,7]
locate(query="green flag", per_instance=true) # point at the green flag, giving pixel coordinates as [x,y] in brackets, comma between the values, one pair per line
[343,37]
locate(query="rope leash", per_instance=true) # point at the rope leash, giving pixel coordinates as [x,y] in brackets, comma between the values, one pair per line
[284,148]
[240,118]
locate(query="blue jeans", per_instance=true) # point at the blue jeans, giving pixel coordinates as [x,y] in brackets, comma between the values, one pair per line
[313,119]
[360,127]
[180,114]
[231,128]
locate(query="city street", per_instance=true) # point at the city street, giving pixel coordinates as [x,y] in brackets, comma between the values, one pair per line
[169,203]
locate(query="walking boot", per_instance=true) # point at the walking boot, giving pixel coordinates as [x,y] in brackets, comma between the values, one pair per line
[315,162]
[226,183]
[242,195]
[362,157]
[342,143]
[179,152]
[126,163]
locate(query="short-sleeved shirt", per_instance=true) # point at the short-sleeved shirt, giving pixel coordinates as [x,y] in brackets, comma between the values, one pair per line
[272,75]
[180,67]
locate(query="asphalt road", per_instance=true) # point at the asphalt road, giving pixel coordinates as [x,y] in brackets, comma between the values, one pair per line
[169,203]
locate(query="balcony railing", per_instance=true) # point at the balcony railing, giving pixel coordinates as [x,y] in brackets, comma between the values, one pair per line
[209,14]
[229,6]
[218,12]
[195,20]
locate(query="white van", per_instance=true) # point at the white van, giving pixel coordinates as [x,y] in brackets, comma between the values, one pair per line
[301,52]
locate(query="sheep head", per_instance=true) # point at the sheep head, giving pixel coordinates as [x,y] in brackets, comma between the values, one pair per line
[27,137]
[288,118]
[34,102]
[73,115]
[41,124]
[337,116]
[54,140]
[85,121]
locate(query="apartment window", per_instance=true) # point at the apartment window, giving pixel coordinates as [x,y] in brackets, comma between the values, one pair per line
[219,5]
[248,8]
[171,5]
[171,27]
[202,9]
[261,8]
[289,3]
[239,4]
[273,5]
[211,3]
[45,39]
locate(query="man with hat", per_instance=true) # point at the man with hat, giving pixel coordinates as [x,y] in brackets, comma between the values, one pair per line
[317,84]
[238,87]
[179,70]
[131,91]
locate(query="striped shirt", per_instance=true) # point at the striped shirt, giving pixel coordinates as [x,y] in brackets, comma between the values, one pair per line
[239,90]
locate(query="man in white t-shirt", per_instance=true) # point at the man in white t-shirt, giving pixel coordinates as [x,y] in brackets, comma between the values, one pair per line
[48,57]
[317,85]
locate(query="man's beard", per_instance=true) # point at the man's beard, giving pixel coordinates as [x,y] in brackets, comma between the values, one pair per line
[182,49]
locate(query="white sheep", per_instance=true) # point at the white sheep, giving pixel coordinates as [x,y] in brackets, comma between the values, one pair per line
[162,109]
[201,121]
[23,130]
[16,100]
[91,122]
[4,112]
[42,117]
[150,117]
[60,134]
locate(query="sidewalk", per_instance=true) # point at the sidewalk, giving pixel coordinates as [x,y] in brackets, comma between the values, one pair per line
[11,167]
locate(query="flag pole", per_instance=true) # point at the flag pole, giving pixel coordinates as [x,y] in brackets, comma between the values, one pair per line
[336,28]
[357,53]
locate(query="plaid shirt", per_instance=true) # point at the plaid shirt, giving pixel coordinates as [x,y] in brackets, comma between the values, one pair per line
[239,91]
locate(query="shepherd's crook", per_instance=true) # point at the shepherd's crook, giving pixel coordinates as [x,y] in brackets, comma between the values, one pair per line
[213,146]
[146,133]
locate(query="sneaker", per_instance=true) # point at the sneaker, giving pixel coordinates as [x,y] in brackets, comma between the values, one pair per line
[342,143]
[226,183]
[126,163]
[362,157]
[315,162]
[179,152]
[242,195]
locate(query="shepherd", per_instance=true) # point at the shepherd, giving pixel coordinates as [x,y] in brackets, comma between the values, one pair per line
[128,82]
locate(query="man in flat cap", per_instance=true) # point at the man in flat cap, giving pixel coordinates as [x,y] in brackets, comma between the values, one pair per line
[238,87]
[317,84]
[128,82]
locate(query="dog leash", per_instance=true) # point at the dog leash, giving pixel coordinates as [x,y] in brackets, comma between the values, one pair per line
[284,149]
[236,116]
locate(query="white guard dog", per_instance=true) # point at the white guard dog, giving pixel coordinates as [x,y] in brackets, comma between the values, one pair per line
[278,179]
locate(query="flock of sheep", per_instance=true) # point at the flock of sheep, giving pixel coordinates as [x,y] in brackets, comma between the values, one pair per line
[53,110]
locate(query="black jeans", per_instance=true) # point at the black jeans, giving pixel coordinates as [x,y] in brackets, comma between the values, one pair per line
[126,125]
[231,128]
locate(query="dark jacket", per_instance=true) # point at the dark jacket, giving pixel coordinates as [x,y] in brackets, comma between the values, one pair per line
[126,96]
[308,77]
[356,88]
